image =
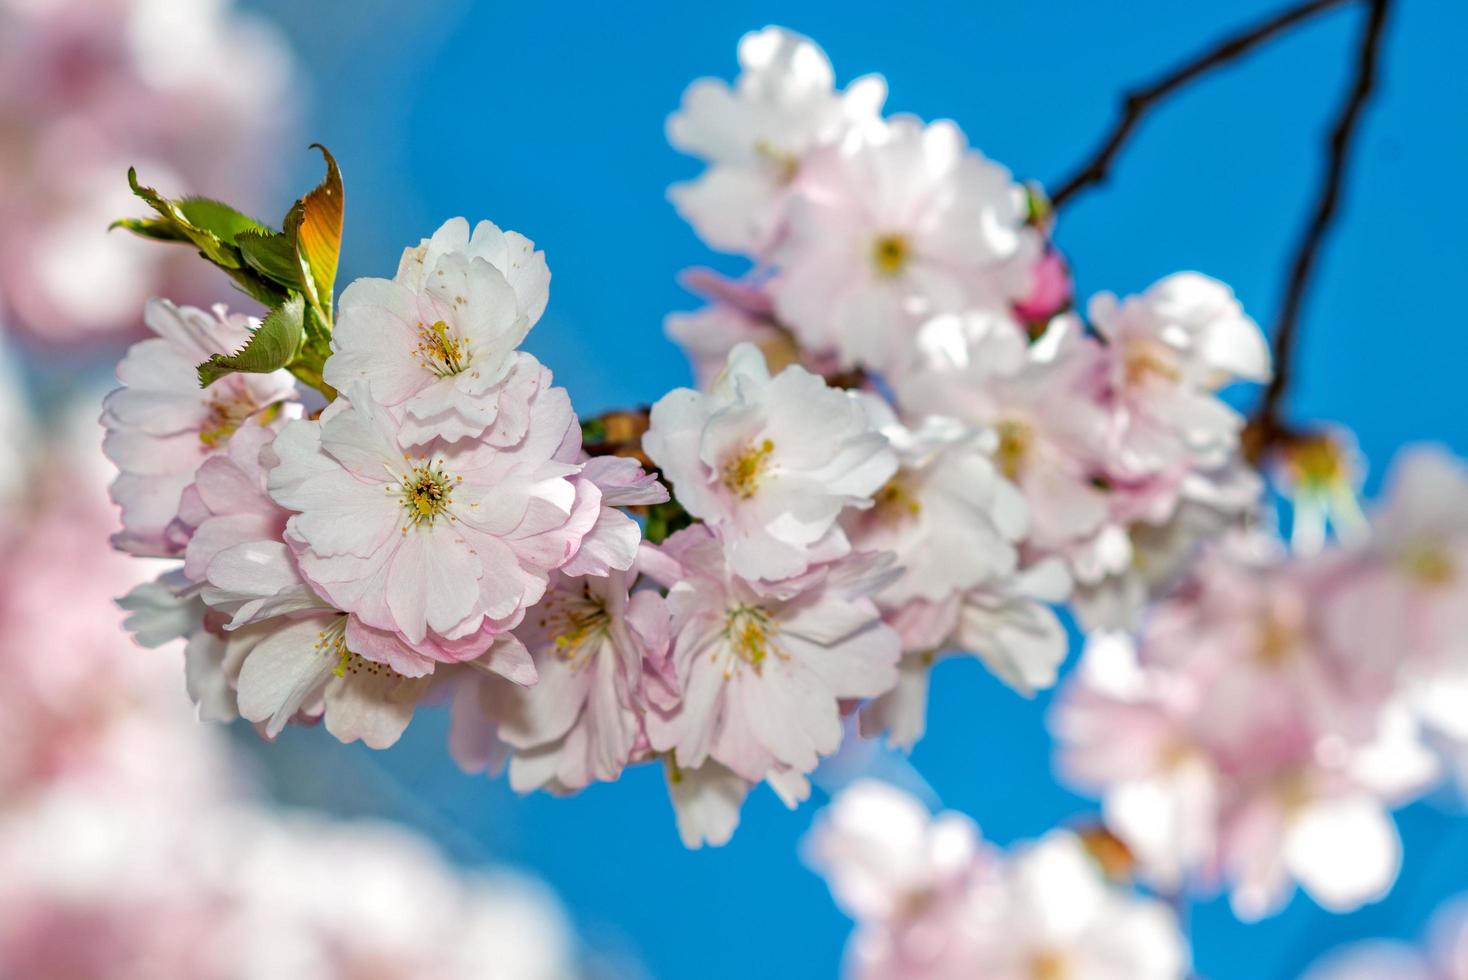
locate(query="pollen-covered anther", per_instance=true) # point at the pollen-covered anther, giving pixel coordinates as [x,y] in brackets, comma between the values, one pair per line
[1015,439]
[896,501]
[741,473]
[749,630]
[225,416]
[427,491]
[333,642]
[573,621]
[440,349]
[890,254]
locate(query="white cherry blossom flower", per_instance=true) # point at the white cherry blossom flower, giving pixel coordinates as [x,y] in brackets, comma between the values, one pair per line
[1168,350]
[440,342]
[762,674]
[891,230]
[756,135]
[770,463]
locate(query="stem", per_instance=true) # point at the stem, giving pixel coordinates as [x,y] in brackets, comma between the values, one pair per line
[1138,102]
[1265,427]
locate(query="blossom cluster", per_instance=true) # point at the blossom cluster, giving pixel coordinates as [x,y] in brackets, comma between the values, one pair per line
[932,900]
[905,441]
[88,87]
[1275,707]
[1041,455]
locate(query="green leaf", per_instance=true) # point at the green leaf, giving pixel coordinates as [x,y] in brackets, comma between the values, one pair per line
[315,225]
[272,347]
[218,218]
[272,255]
[207,242]
[157,229]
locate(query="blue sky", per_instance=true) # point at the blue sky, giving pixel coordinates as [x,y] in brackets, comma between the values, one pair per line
[549,119]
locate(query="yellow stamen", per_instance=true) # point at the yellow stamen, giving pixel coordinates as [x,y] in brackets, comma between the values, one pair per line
[1015,439]
[427,491]
[440,350]
[786,165]
[741,474]
[896,501]
[1147,360]
[890,253]
[748,630]
[1049,965]
[1429,564]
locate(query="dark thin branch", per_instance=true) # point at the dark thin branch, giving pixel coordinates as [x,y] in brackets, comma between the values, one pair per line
[1139,101]
[1265,428]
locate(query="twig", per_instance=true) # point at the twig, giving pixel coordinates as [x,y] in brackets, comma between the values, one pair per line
[1139,101]
[1265,427]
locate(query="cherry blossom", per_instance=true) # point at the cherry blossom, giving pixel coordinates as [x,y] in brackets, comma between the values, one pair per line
[757,135]
[890,230]
[762,672]
[770,462]
[161,424]
[440,341]
[1167,351]
[600,657]
[931,900]
[1042,401]
[444,547]
[1239,743]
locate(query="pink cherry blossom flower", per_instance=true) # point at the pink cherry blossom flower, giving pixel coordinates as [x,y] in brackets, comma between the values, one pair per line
[757,134]
[890,230]
[446,547]
[949,517]
[770,463]
[1059,917]
[1168,350]
[762,674]
[906,877]
[599,654]
[1243,745]
[161,425]
[1399,597]
[440,341]
[1042,401]
[933,902]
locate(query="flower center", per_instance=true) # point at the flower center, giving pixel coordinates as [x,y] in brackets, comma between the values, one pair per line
[896,501]
[1015,439]
[1049,964]
[1276,640]
[440,350]
[1429,564]
[785,165]
[226,414]
[1146,361]
[890,254]
[333,642]
[426,491]
[741,474]
[573,620]
[748,630]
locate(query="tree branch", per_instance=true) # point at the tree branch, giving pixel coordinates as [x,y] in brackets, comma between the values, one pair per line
[1265,427]
[1138,102]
